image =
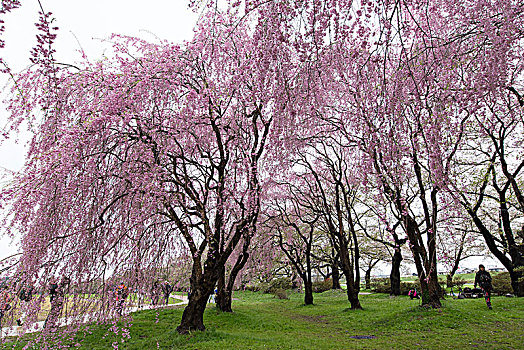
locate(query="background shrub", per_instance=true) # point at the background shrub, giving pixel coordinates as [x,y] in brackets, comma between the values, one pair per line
[501,283]
[383,285]
[280,283]
[265,287]
[405,287]
[380,285]
[280,293]
[458,281]
[322,286]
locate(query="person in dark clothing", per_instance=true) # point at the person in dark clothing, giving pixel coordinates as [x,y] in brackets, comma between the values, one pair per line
[166,290]
[121,293]
[155,293]
[483,280]
[413,294]
[25,294]
[53,290]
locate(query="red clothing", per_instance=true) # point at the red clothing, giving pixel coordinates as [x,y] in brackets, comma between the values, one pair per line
[5,300]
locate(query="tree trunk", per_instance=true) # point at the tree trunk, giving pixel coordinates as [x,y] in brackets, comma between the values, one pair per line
[193,316]
[430,288]
[394,276]
[353,299]
[202,284]
[224,302]
[431,291]
[335,275]
[451,273]
[449,280]
[458,259]
[516,285]
[225,292]
[368,278]
[308,292]
[223,298]
[350,283]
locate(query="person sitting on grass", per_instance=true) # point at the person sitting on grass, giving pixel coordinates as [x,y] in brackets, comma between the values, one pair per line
[483,279]
[413,294]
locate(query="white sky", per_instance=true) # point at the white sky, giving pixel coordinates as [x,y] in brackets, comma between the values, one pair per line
[90,22]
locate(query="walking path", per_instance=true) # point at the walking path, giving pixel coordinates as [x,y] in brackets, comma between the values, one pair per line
[14,331]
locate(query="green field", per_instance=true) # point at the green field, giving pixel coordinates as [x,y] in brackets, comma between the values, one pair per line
[261,321]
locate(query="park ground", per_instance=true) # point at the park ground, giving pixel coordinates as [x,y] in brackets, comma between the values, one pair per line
[261,321]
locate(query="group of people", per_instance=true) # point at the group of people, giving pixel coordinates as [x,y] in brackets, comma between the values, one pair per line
[482,279]
[120,293]
[57,290]
[159,294]
[159,289]
[25,292]
[5,301]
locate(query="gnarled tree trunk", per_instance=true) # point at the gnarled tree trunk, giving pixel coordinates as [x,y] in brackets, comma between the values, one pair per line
[424,262]
[201,288]
[431,291]
[224,298]
[394,276]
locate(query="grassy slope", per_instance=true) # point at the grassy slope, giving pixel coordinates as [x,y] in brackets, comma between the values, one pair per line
[260,321]
[263,322]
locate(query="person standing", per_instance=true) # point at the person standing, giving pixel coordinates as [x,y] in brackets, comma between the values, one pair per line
[483,279]
[121,294]
[5,302]
[166,290]
[155,293]
[25,294]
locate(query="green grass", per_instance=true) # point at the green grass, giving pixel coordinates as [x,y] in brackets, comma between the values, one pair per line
[260,321]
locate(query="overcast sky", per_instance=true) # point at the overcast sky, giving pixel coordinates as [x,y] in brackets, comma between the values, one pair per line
[85,24]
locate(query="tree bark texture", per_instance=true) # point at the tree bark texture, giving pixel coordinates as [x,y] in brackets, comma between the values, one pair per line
[394,276]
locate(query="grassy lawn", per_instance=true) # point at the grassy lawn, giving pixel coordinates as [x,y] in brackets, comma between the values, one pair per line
[260,321]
